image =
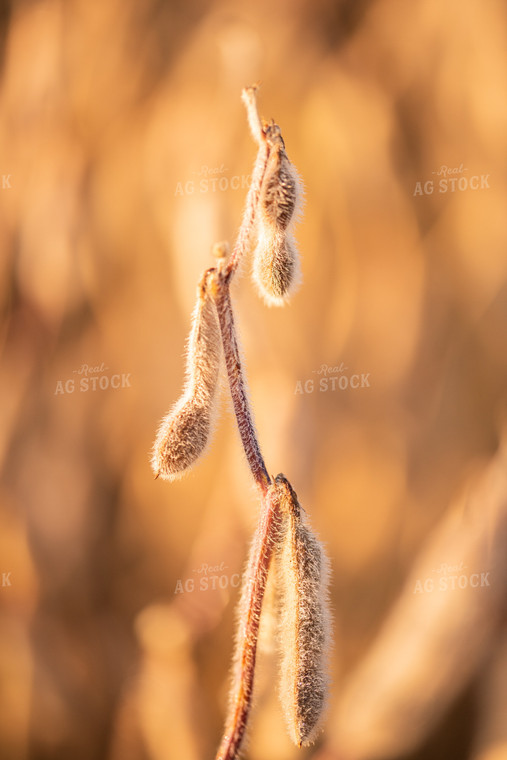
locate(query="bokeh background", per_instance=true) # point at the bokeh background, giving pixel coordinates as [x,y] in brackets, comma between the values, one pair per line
[124,155]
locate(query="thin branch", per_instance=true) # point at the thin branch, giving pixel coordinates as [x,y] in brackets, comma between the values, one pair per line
[246,231]
[249,617]
[237,384]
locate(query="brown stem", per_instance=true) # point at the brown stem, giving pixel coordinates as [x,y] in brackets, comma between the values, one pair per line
[252,201]
[249,215]
[254,583]
[221,295]
[254,586]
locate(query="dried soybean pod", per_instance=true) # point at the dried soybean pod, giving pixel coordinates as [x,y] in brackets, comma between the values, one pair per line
[184,432]
[305,620]
[276,269]
[280,185]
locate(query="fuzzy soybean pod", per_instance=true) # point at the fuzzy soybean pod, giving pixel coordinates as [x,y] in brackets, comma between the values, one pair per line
[185,431]
[304,619]
[276,269]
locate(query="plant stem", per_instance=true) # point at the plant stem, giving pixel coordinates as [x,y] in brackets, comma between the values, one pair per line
[222,298]
[254,587]
[249,215]
[252,201]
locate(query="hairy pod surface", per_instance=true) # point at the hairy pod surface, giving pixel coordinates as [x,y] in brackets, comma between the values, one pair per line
[280,185]
[184,432]
[276,269]
[304,619]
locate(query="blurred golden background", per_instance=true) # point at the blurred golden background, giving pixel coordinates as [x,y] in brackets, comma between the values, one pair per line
[124,156]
